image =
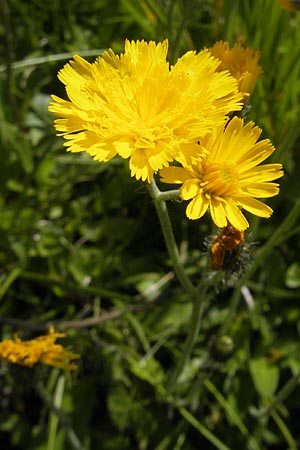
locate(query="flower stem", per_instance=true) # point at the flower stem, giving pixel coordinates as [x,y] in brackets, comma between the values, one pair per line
[62,418]
[166,226]
[189,343]
[196,296]
[169,195]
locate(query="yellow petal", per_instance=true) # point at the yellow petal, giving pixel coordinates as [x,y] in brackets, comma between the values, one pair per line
[197,207]
[190,189]
[174,175]
[75,72]
[235,216]
[88,141]
[218,213]
[139,166]
[255,207]
[255,155]
[265,172]
[160,156]
[124,149]
[262,190]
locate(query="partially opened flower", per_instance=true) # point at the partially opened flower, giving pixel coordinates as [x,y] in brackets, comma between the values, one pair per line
[241,62]
[228,178]
[138,107]
[41,349]
[227,241]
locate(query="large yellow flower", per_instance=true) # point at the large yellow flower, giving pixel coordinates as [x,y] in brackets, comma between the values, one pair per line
[241,62]
[136,106]
[229,177]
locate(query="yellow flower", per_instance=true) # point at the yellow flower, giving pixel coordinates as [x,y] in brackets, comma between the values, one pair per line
[290,5]
[229,177]
[41,349]
[241,62]
[138,107]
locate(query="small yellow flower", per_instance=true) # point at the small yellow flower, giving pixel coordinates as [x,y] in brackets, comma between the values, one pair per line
[241,62]
[41,349]
[138,107]
[229,177]
[290,5]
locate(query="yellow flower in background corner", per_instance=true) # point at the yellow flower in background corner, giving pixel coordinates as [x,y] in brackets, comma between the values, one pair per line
[138,107]
[241,62]
[290,5]
[229,177]
[40,349]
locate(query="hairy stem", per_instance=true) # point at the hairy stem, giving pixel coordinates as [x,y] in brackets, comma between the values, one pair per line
[195,294]
[167,230]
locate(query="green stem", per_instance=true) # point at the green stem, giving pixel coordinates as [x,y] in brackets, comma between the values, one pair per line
[284,430]
[49,280]
[279,236]
[282,395]
[63,419]
[189,343]
[196,296]
[164,218]
[169,195]
[211,437]
[29,62]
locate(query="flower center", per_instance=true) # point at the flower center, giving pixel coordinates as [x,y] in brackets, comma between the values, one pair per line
[148,138]
[145,139]
[219,178]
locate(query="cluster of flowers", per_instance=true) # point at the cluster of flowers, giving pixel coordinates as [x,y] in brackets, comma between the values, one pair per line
[179,120]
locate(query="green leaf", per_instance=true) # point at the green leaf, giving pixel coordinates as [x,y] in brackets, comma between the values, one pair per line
[14,140]
[147,369]
[11,277]
[125,410]
[265,376]
[292,279]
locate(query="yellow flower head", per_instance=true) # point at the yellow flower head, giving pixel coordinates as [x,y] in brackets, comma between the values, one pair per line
[41,349]
[229,177]
[241,62]
[138,107]
[290,5]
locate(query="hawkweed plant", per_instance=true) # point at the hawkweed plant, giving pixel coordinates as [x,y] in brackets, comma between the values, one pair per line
[181,124]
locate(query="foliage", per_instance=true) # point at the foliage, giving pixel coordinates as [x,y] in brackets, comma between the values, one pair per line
[81,248]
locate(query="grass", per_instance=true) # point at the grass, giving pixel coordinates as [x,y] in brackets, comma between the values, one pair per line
[81,247]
